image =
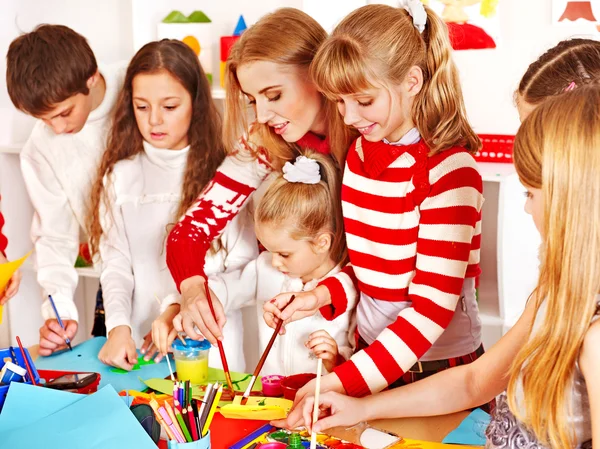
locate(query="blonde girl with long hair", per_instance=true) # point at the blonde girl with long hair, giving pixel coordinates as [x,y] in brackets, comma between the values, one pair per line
[299,222]
[549,362]
[268,72]
[412,199]
[163,149]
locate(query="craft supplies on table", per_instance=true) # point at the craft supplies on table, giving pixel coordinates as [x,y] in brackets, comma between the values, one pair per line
[191,360]
[15,356]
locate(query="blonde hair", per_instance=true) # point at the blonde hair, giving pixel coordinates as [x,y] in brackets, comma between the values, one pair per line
[289,37]
[564,162]
[308,210]
[570,61]
[380,43]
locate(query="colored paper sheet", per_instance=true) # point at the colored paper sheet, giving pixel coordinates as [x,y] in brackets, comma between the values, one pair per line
[84,358]
[240,383]
[6,271]
[471,430]
[100,420]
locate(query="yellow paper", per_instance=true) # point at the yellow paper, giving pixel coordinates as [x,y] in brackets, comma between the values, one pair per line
[269,410]
[6,271]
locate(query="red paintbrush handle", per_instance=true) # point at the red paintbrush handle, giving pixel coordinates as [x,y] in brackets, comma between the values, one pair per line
[26,362]
[219,343]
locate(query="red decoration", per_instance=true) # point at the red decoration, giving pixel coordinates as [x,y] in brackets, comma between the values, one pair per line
[465,36]
[496,148]
[578,10]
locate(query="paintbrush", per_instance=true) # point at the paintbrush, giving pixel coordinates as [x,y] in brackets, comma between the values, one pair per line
[313,435]
[26,361]
[263,358]
[219,343]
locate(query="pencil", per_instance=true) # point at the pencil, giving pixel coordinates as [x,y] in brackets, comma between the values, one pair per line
[154,404]
[186,432]
[208,402]
[67,340]
[263,358]
[313,435]
[213,408]
[26,361]
[219,343]
[192,421]
[171,414]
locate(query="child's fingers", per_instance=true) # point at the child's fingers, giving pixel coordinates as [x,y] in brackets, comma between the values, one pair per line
[178,322]
[314,341]
[170,339]
[275,305]
[147,343]
[319,333]
[208,320]
[325,351]
[52,332]
[70,328]
[132,356]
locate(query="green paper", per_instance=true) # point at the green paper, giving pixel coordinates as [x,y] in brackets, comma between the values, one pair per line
[175,17]
[240,382]
[198,17]
[136,367]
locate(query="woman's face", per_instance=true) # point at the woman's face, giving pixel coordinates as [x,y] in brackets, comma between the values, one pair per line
[284,98]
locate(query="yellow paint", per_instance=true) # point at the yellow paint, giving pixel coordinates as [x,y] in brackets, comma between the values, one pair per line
[274,408]
[193,43]
[196,371]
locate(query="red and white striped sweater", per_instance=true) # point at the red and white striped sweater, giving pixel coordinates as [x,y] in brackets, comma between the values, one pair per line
[236,179]
[413,226]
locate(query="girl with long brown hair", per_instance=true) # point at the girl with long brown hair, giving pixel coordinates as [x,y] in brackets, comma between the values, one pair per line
[164,148]
[267,72]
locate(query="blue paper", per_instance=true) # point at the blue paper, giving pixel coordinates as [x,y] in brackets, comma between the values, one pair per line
[101,420]
[84,358]
[471,431]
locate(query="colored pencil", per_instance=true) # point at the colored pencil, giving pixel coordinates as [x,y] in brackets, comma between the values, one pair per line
[207,392]
[186,432]
[219,343]
[263,358]
[195,412]
[313,435]
[208,401]
[213,409]
[161,420]
[26,361]
[171,414]
[67,340]
[192,421]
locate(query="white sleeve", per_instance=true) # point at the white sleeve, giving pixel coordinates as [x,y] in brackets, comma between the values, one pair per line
[116,276]
[54,232]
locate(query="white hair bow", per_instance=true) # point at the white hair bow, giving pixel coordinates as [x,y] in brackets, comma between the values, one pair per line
[304,170]
[417,11]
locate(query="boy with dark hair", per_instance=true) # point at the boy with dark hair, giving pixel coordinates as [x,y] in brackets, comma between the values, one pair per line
[52,75]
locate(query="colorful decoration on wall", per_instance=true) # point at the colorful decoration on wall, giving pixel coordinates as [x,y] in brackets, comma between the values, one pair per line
[583,13]
[472,24]
[226,44]
[194,30]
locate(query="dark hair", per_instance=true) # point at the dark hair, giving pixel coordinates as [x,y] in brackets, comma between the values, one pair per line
[47,66]
[206,148]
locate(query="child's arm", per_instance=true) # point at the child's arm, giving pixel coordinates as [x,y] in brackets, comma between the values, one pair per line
[589,362]
[451,390]
[55,234]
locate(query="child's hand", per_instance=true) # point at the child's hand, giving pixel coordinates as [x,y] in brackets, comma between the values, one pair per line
[13,284]
[335,409]
[119,350]
[304,304]
[324,347]
[52,336]
[195,311]
[149,349]
[163,331]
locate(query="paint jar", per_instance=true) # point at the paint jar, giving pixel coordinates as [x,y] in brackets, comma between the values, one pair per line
[11,373]
[273,445]
[294,442]
[191,360]
[271,385]
[291,384]
[202,443]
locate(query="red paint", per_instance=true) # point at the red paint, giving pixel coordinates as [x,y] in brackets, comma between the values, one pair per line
[291,384]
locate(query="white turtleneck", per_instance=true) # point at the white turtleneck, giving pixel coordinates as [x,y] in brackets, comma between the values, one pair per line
[58,171]
[144,194]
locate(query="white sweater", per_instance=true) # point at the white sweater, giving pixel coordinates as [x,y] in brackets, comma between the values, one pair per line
[257,283]
[58,171]
[144,194]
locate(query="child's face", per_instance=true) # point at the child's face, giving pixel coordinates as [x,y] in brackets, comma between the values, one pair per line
[381,113]
[534,206]
[295,258]
[69,116]
[163,110]
[284,98]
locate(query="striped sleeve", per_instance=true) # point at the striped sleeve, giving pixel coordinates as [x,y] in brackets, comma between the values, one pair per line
[449,221]
[343,289]
[238,177]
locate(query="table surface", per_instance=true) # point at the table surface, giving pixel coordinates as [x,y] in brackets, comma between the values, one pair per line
[432,428]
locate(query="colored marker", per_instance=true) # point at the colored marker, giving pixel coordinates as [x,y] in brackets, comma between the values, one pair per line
[67,340]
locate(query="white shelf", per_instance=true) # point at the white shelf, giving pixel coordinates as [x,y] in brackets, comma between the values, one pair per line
[11,148]
[495,171]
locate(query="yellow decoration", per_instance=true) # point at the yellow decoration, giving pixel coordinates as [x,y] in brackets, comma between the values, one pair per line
[488,8]
[193,43]
[196,371]
[273,408]
[6,271]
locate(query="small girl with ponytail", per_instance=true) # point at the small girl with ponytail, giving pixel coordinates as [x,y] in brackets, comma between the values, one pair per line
[411,201]
[299,222]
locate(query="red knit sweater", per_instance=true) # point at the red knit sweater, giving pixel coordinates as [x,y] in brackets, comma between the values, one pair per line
[3,239]
[413,227]
[221,200]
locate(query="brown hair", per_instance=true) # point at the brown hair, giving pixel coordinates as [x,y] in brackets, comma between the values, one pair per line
[206,148]
[564,162]
[380,43]
[293,39]
[308,210]
[47,66]
[570,61]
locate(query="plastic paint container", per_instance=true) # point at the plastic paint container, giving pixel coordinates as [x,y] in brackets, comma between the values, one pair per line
[291,384]
[271,385]
[11,373]
[280,436]
[191,360]
[271,446]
